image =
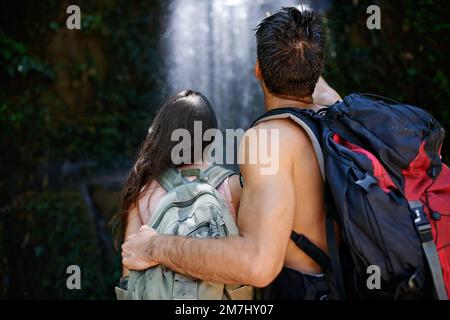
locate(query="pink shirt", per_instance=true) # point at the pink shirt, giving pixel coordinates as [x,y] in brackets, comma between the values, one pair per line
[149,201]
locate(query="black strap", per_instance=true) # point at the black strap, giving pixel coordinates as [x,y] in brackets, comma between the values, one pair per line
[311,250]
[423,228]
[307,115]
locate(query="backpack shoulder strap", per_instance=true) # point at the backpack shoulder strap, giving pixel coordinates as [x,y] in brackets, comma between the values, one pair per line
[170,179]
[216,175]
[307,119]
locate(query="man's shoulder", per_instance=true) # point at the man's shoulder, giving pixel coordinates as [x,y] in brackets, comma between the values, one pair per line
[291,135]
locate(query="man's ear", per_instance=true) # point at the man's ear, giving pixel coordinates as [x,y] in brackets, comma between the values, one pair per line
[258,73]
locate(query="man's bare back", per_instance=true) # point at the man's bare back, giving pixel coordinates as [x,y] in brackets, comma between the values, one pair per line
[309,213]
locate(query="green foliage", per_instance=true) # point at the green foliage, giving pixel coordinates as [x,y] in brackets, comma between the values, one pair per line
[101,113]
[406,60]
[83,97]
[50,231]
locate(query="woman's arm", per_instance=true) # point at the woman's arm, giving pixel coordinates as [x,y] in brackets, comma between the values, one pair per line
[235,190]
[133,226]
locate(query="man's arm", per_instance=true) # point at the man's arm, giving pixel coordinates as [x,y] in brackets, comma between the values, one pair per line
[265,222]
[134,223]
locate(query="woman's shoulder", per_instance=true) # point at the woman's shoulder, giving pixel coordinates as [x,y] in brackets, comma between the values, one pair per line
[150,197]
[231,191]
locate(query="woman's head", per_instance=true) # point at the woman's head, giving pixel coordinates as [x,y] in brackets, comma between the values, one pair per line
[178,112]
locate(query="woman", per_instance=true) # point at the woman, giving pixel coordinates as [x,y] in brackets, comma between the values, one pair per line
[142,191]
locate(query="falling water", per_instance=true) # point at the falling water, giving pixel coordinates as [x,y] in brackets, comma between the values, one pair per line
[210,47]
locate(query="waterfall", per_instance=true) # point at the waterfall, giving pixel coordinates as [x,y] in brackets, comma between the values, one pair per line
[210,47]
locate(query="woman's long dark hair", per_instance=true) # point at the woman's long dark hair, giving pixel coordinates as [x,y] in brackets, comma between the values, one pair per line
[178,112]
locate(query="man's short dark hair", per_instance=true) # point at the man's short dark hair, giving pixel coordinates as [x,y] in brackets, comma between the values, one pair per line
[290,49]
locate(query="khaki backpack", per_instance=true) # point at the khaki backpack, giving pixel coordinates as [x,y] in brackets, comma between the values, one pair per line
[189,209]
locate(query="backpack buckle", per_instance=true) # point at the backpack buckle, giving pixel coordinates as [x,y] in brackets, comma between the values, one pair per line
[367,182]
[412,282]
[425,233]
[421,222]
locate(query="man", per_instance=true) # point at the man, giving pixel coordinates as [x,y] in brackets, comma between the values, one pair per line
[290,51]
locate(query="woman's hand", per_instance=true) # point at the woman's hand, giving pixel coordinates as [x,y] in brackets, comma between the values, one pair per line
[135,255]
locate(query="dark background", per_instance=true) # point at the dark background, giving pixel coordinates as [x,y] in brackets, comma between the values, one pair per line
[75,105]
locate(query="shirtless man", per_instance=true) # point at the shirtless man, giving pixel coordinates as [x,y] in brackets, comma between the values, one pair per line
[290,50]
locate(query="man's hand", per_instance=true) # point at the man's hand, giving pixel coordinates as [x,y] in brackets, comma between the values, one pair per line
[135,255]
[324,95]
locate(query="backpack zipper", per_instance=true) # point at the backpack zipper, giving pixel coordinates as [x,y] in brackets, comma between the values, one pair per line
[203,225]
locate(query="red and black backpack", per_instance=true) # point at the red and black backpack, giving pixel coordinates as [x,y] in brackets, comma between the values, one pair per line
[388,190]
